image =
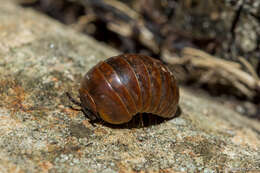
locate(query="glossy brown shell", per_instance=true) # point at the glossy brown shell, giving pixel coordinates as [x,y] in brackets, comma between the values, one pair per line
[122,86]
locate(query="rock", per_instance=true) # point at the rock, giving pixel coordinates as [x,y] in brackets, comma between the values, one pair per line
[42,59]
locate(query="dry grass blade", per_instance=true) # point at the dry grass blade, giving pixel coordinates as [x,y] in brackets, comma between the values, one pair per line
[246,83]
[249,67]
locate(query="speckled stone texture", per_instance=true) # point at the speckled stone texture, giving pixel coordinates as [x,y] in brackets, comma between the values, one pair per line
[40,60]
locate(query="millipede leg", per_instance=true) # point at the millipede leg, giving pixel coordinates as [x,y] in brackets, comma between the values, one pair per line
[141,120]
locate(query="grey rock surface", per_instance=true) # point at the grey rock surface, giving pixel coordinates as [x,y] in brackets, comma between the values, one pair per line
[41,59]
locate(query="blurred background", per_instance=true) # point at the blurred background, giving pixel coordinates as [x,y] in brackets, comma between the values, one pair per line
[211,45]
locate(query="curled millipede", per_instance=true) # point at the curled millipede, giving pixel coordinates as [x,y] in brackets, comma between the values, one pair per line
[120,87]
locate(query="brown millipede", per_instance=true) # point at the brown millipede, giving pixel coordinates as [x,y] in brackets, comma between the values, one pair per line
[120,87]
